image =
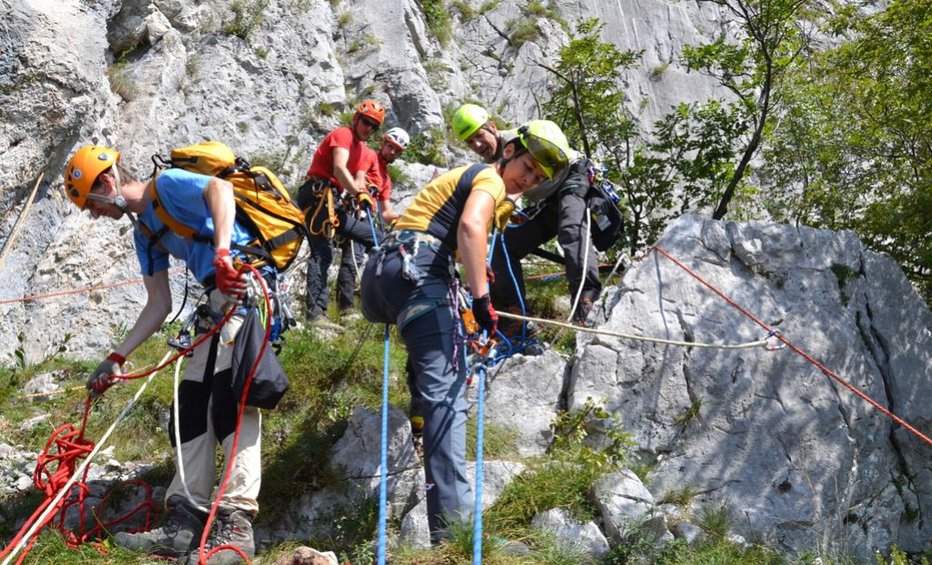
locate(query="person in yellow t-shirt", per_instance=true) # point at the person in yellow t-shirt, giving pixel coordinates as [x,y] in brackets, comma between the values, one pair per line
[411,281]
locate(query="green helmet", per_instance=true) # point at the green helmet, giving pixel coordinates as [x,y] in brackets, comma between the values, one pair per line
[547,144]
[467,120]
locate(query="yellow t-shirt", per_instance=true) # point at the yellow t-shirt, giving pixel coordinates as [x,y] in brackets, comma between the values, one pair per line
[437,208]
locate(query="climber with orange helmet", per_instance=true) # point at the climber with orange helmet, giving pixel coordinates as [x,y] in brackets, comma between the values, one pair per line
[339,166]
[95,181]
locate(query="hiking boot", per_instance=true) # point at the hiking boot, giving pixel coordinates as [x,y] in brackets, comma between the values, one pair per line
[581,315]
[321,321]
[178,535]
[232,527]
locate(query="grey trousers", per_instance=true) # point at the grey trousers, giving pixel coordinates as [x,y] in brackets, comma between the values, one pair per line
[426,321]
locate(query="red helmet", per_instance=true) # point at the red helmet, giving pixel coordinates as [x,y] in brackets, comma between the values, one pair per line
[371,109]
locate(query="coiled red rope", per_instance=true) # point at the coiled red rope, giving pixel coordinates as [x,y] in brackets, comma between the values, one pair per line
[70,446]
[797,350]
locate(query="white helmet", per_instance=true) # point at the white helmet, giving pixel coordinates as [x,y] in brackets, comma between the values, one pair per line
[398,137]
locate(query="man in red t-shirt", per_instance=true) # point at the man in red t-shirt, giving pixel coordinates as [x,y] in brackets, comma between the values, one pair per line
[339,165]
[379,185]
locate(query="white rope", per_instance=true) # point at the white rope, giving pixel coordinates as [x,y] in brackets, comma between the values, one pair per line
[8,245]
[583,243]
[747,345]
[80,470]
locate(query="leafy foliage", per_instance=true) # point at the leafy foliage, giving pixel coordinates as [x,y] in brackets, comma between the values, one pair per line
[852,150]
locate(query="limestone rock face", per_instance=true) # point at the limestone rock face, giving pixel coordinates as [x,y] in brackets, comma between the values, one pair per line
[798,457]
[270,79]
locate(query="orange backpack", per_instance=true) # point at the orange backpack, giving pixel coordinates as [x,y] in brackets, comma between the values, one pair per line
[263,205]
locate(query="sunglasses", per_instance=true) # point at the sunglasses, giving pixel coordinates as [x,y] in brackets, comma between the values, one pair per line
[369,122]
[550,157]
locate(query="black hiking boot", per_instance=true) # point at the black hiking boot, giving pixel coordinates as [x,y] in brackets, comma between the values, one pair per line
[176,537]
[232,527]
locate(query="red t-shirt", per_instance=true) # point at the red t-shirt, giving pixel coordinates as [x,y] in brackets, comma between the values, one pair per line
[377,175]
[322,163]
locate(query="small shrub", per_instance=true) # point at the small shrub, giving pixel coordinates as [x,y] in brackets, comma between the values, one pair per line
[689,415]
[247,17]
[657,72]
[438,20]
[121,81]
[716,519]
[466,12]
[680,497]
[522,31]
[344,19]
[427,148]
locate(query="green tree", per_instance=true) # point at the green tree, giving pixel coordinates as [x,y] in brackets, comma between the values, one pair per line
[751,69]
[852,150]
[679,165]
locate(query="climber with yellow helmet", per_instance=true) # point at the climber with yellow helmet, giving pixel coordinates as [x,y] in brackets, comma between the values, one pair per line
[410,279]
[474,126]
[338,166]
[559,210]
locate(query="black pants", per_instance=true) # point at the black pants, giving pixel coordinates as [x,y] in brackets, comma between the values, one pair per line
[351,228]
[563,216]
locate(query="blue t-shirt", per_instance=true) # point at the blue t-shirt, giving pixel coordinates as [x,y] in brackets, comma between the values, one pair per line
[181,192]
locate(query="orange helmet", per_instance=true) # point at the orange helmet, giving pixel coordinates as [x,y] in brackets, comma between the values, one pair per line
[371,109]
[84,168]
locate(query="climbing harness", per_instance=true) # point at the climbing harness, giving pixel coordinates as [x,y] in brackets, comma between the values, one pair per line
[323,192]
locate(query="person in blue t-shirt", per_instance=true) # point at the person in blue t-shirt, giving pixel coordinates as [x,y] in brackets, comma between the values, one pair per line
[95,181]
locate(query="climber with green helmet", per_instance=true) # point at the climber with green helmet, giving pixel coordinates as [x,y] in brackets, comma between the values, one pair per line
[476,128]
[560,205]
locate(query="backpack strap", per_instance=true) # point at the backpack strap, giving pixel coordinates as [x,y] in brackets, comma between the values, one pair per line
[174,225]
[467,177]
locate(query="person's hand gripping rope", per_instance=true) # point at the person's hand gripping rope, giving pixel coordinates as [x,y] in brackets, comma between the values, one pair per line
[105,375]
[228,279]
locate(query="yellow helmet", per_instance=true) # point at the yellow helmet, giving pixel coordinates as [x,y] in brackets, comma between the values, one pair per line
[547,144]
[84,168]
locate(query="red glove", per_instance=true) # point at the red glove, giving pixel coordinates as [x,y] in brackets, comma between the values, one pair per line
[103,376]
[485,315]
[227,278]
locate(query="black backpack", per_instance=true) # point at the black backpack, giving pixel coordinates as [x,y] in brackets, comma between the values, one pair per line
[608,223]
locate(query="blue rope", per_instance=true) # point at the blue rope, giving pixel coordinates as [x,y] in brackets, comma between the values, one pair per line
[480,425]
[477,511]
[383,456]
[375,238]
[514,281]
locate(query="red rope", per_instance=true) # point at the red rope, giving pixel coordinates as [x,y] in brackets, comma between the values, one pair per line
[34,297]
[202,556]
[63,451]
[72,446]
[828,372]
